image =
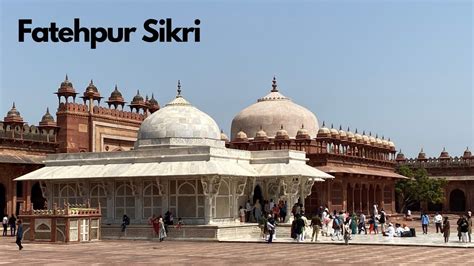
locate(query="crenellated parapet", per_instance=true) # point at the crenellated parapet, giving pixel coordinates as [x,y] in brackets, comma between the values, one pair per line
[330,145]
[18,135]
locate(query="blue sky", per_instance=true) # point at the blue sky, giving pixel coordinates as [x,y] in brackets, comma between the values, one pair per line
[402,69]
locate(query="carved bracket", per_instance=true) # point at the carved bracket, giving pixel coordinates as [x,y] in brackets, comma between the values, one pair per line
[240,183]
[290,185]
[306,186]
[211,185]
[161,188]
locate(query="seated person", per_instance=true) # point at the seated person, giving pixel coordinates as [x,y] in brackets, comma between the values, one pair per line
[390,232]
[398,230]
[406,231]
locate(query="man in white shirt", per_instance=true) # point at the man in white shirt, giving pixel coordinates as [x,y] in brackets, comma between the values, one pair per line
[438,219]
[390,231]
[398,230]
[5,225]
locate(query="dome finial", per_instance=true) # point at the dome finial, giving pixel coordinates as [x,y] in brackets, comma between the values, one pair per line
[92,82]
[281,126]
[179,89]
[356,131]
[324,124]
[348,129]
[66,77]
[47,110]
[340,127]
[302,126]
[332,126]
[274,85]
[13,106]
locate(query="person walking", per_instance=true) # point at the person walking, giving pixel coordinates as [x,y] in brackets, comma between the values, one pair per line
[12,223]
[354,223]
[5,225]
[125,222]
[316,224]
[446,228]
[362,223]
[459,227]
[425,221]
[382,220]
[162,231]
[299,228]
[469,224]
[270,228]
[438,219]
[19,235]
[464,228]
[336,225]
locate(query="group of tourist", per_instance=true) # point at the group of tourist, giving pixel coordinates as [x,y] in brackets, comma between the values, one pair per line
[9,222]
[257,212]
[464,227]
[16,228]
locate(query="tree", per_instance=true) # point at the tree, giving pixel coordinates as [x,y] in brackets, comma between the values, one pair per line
[418,187]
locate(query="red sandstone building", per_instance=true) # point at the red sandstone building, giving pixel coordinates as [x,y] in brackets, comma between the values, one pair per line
[458,170]
[363,165]
[80,127]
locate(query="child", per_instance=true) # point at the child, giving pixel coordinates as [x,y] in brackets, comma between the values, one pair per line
[179,224]
[242,214]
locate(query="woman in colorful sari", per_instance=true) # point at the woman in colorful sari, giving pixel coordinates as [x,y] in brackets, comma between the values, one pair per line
[354,223]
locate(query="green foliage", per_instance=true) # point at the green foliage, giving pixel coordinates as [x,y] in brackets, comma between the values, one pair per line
[418,187]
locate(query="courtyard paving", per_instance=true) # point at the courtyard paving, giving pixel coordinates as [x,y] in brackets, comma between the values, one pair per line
[186,252]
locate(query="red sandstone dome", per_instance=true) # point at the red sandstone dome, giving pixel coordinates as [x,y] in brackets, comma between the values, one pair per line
[270,112]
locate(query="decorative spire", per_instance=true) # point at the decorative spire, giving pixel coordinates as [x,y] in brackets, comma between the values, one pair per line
[421,150]
[324,125]
[66,77]
[274,85]
[302,126]
[356,131]
[348,129]
[13,106]
[47,111]
[281,126]
[179,89]
[340,127]
[116,88]
[332,125]
[92,82]
[363,132]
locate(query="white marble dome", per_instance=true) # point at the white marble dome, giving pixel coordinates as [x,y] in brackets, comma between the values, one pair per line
[178,123]
[272,111]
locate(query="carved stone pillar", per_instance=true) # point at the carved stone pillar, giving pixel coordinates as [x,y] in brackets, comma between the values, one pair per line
[210,188]
[239,184]
[290,186]
[306,186]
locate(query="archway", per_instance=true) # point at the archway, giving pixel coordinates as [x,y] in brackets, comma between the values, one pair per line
[457,201]
[258,195]
[2,201]
[37,197]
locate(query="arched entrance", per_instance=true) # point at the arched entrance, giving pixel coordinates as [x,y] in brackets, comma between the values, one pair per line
[457,201]
[2,201]
[37,197]
[257,194]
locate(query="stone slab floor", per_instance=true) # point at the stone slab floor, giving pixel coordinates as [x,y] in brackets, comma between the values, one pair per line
[184,252]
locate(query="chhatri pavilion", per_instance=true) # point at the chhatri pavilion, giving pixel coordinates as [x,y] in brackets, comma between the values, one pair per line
[180,163]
